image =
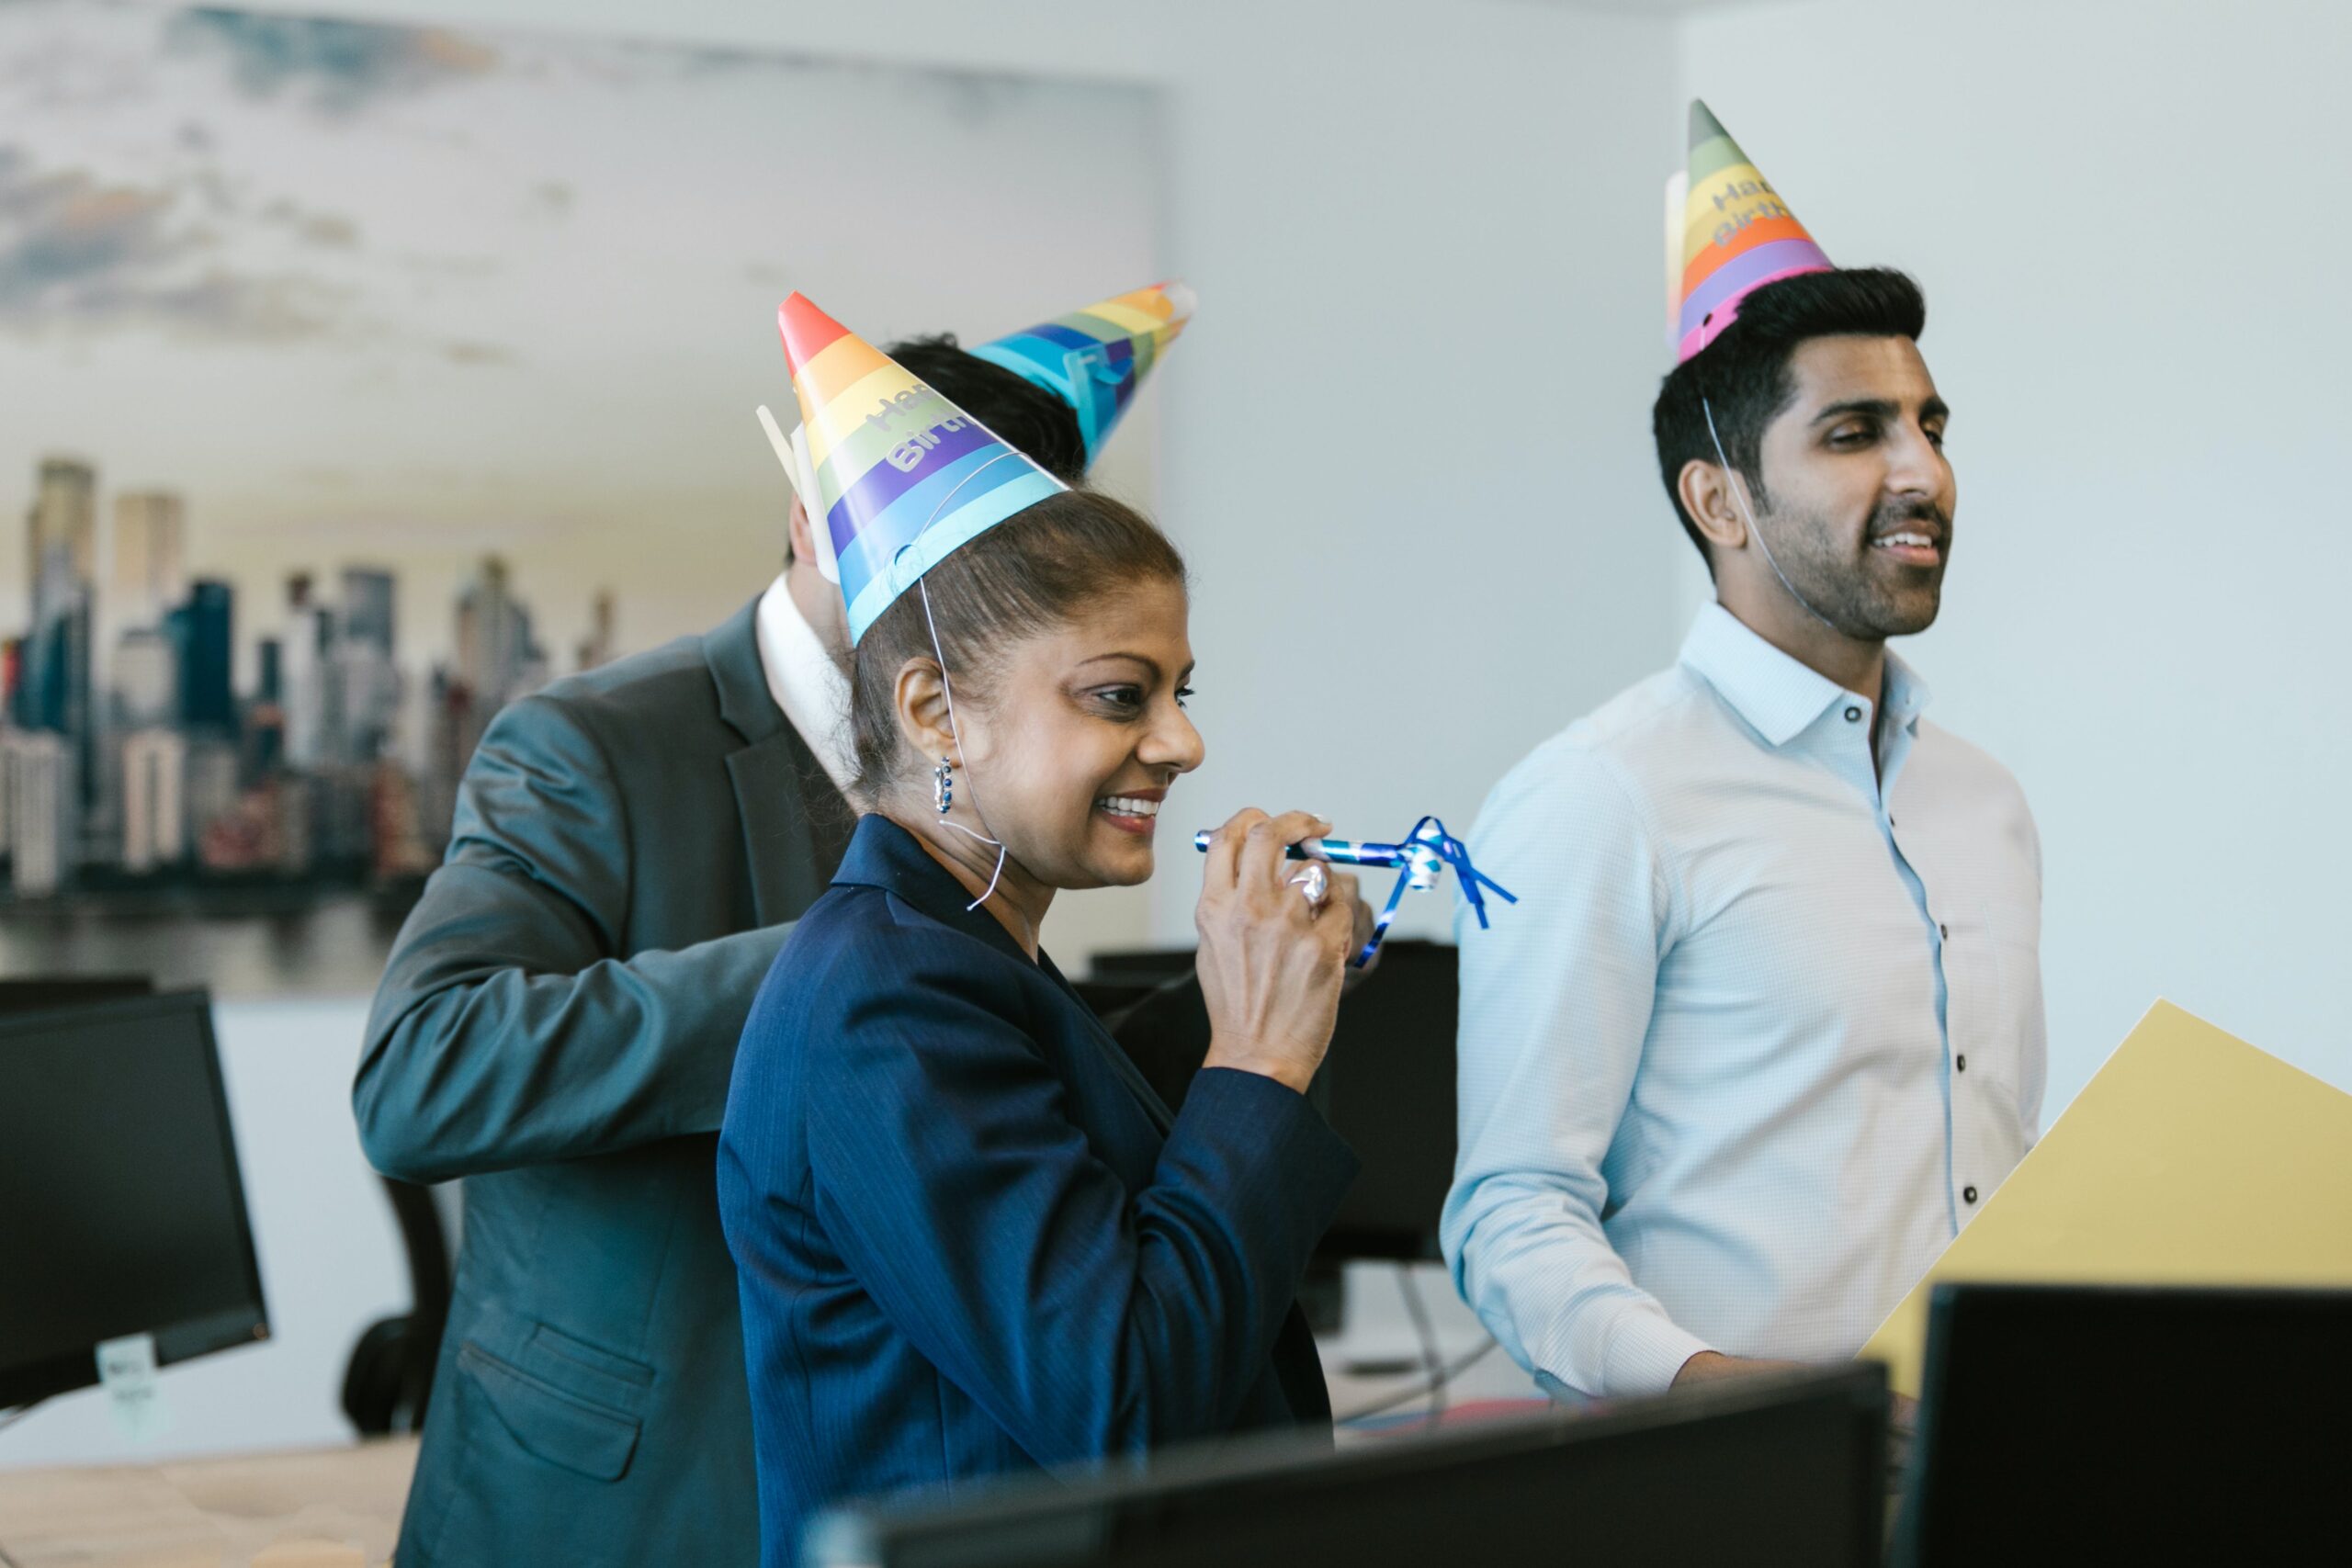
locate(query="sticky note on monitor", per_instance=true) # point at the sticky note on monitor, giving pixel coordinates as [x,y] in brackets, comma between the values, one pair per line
[2190,1158]
[126,1372]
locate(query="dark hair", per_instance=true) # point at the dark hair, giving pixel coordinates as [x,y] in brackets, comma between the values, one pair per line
[1034,571]
[1744,375]
[1024,415]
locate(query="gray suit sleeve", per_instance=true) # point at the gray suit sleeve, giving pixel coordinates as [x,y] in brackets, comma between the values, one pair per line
[505,1031]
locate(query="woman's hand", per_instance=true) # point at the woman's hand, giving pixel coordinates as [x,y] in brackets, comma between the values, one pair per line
[1270,962]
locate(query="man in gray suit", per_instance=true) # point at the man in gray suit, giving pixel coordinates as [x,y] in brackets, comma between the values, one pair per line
[557,1025]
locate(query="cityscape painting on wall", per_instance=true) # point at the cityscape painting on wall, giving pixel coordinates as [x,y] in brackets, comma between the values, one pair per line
[357,381]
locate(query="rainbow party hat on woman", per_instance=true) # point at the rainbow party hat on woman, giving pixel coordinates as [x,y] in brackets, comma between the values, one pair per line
[1094,359]
[1737,234]
[896,476]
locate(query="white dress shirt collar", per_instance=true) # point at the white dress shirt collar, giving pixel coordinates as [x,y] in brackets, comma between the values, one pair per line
[804,681]
[1779,695]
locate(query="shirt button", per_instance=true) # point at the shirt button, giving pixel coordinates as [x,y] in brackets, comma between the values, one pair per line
[1968,1194]
[1853,715]
[1963,1064]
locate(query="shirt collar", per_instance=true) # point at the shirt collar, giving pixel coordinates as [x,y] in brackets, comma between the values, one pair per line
[1907,694]
[1780,696]
[804,680]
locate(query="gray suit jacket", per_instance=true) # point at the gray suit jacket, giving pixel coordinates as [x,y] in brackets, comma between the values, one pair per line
[558,1025]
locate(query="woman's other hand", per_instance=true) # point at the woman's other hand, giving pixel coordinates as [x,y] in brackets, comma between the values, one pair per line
[1272,962]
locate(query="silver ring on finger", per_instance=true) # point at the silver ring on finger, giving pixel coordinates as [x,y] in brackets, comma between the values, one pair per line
[1314,884]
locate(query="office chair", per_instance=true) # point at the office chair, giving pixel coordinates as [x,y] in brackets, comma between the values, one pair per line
[390,1379]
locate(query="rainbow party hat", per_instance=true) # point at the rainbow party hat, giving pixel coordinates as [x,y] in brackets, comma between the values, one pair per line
[1737,234]
[896,476]
[1095,358]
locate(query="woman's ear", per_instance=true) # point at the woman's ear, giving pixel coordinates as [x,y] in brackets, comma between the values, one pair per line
[920,697]
[1707,495]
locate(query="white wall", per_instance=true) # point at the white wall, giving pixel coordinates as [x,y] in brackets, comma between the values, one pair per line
[2122,214]
[1409,457]
[330,1254]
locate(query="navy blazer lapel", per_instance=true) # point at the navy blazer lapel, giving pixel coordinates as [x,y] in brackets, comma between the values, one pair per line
[885,855]
[1124,1065]
[796,825]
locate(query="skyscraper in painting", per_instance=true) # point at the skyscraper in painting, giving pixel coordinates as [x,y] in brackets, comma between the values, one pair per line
[498,659]
[37,780]
[149,573]
[128,754]
[60,537]
[365,669]
[203,633]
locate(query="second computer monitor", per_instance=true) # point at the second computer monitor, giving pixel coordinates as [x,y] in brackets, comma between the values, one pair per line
[1387,1087]
[2090,1423]
[1760,1472]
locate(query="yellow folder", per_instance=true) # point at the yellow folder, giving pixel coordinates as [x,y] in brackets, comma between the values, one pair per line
[2190,1158]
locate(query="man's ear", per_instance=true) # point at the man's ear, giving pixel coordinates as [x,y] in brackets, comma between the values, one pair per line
[1706,493]
[799,545]
[920,697]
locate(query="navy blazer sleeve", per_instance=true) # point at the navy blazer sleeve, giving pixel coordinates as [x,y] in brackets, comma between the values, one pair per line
[1087,1319]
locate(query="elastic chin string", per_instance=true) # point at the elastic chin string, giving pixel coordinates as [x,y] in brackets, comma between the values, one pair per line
[948,686]
[971,783]
[1739,492]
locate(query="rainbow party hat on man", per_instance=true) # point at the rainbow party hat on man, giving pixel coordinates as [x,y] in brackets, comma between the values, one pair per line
[1737,234]
[901,476]
[1095,359]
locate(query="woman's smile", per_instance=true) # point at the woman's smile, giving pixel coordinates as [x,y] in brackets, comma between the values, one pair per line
[1133,811]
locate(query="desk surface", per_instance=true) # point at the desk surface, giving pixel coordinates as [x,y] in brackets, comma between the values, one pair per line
[323,1509]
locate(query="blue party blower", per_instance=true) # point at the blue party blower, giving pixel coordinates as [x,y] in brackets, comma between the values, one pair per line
[1422,855]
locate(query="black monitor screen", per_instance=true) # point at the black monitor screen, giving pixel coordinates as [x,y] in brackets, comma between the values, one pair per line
[1387,1087]
[124,1212]
[2106,1424]
[46,993]
[1773,1472]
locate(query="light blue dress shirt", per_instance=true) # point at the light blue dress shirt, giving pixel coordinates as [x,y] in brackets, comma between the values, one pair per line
[1763,1032]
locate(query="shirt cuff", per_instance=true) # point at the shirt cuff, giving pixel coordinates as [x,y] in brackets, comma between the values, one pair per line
[1644,1349]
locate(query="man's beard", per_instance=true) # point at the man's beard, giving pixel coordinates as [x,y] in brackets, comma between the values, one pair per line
[1857,595]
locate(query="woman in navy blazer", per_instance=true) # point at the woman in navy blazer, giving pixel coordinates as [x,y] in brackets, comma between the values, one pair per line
[971,1239]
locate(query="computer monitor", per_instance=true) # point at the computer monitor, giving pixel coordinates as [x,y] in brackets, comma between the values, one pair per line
[44,993]
[1387,1086]
[2087,1423]
[1767,1470]
[1159,1020]
[125,1210]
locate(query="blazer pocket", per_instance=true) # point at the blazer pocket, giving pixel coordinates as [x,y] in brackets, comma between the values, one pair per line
[552,1422]
[586,1372]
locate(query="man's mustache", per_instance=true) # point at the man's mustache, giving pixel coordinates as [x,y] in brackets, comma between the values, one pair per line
[1890,518]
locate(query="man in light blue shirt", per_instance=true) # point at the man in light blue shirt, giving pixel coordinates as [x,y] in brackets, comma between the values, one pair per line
[1766,1028]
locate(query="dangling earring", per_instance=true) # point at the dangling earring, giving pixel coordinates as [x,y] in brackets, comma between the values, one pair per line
[942,785]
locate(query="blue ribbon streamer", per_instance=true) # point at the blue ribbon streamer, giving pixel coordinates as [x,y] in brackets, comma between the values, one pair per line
[1429,837]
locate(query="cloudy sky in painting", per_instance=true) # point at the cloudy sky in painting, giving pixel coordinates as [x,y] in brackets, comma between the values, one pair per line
[402,298]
